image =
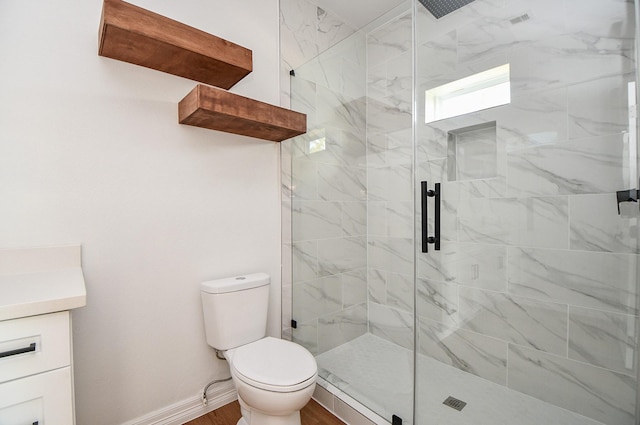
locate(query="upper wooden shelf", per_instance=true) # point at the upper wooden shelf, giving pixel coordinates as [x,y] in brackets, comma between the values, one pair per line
[217,109]
[132,34]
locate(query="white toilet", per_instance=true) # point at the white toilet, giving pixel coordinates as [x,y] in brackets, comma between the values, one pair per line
[274,378]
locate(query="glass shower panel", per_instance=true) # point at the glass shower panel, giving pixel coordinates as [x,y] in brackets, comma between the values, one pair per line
[529,311]
[352,215]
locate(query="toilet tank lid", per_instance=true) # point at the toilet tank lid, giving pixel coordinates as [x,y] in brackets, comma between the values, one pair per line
[236,283]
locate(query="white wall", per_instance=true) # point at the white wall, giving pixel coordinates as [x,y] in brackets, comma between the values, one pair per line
[91,153]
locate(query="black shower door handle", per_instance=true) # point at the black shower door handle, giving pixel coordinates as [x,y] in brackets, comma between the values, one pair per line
[425,194]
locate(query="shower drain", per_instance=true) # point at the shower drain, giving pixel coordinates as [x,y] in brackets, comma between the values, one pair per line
[454,403]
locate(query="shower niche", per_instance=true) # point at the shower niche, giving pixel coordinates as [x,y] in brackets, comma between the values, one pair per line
[472,152]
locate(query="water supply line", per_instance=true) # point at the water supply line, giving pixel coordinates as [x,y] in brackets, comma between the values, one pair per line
[204,398]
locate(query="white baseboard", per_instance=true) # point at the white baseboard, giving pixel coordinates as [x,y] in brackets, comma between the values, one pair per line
[189,409]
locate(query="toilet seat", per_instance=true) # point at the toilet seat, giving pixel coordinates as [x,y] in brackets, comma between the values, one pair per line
[273,365]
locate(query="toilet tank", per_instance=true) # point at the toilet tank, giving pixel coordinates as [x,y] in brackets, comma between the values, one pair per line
[235,310]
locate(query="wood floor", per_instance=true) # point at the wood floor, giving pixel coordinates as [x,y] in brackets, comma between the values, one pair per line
[311,414]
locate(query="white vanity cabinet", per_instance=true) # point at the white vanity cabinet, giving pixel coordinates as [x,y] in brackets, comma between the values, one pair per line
[36,367]
[35,370]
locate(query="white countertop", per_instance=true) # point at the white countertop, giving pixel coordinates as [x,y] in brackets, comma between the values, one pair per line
[40,281]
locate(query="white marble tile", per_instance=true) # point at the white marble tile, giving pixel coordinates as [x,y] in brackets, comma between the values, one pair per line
[377,145]
[603,281]
[304,261]
[391,324]
[377,218]
[597,226]
[607,18]
[438,56]
[592,57]
[377,286]
[388,115]
[354,287]
[598,107]
[341,183]
[400,73]
[487,188]
[399,147]
[304,181]
[333,146]
[316,298]
[366,369]
[537,222]
[316,220]
[437,265]
[474,265]
[377,82]
[438,301]
[338,328]
[523,321]
[306,334]
[400,219]
[354,218]
[539,65]
[603,339]
[470,352]
[298,31]
[303,99]
[333,71]
[390,183]
[390,254]
[591,165]
[481,266]
[331,29]
[341,255]
[400,292]
[431,143]
[533,118]
[334,109]
[433,171]
[594,392]
[485,37]
[389,41]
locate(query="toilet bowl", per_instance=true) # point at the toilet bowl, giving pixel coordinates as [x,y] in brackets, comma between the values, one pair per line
[274,378]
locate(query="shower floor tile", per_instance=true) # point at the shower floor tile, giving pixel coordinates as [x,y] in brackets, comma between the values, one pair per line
[378,374]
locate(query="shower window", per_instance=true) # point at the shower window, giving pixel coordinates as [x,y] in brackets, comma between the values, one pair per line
[470,94]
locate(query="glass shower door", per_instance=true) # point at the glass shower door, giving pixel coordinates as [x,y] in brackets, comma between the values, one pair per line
[352,216]
[529,307]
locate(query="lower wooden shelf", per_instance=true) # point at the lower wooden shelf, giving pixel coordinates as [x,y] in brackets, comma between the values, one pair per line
[217,109]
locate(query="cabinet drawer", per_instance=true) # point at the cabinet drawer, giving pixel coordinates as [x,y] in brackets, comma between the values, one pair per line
[34,344]
[44,398]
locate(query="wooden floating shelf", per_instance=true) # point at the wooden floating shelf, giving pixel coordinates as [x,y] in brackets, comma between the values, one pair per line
[132,34]
[217,109]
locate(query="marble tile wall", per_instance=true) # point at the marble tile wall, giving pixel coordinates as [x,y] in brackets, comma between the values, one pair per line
[306,31]
[390,212]
[536,285]
[326,196]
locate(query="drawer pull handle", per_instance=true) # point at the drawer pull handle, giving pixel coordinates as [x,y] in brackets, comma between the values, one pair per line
[30,348]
